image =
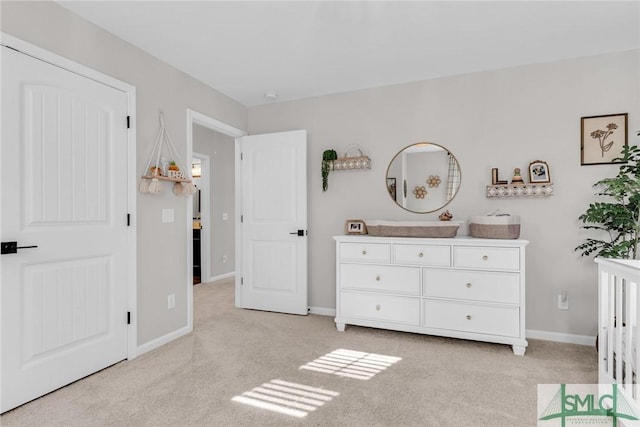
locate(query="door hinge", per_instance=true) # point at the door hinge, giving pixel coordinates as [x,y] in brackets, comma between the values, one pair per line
[128,220]
[242,280]
[241,218]
[128,317]
[128,122]
[241,156]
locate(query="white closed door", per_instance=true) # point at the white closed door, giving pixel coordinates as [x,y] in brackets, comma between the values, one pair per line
[63,304]
[274,222]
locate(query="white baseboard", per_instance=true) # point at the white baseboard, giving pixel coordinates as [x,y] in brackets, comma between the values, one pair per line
[323,311]
[561,337]
[220,277]
[160,341]
[533,334]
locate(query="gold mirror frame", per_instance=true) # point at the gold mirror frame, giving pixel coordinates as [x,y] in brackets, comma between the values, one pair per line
[417,179]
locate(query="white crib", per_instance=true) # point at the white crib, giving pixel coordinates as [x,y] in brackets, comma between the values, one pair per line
[618,358]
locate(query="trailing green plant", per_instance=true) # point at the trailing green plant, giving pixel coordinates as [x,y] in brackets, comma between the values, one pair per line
[327,161]
[619,216]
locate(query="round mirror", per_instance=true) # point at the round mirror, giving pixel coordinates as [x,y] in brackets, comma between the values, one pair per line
[423,177]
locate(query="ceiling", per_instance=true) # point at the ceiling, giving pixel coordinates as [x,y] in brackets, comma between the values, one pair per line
[300,49]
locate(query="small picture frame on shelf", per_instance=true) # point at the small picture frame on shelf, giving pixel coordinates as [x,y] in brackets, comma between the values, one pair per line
[602,139]
[539,172]
[355,226]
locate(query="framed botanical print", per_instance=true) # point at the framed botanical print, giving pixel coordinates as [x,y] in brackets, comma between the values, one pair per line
[602,139]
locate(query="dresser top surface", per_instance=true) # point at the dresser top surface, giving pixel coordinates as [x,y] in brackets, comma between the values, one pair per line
[460,240]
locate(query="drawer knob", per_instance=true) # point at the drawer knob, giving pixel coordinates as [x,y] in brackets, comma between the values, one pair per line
[378,307]
[468,317]
[486,257]
[377,278]
[468,285]
[420,254]
[364,252]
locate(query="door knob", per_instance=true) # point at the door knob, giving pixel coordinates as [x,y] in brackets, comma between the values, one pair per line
[298,233]
[12,248]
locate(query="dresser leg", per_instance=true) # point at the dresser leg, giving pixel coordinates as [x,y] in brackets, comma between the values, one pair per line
[519,350]
[340,326]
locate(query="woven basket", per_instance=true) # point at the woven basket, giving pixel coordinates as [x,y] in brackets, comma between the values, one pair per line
[495,227]
[412,229]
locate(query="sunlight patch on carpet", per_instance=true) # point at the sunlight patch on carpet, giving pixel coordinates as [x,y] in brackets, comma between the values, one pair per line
[288,398]
[351,364]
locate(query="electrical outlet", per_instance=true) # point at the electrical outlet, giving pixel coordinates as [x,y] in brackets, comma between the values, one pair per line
[224,259]
[171,301]
[563,300]
[225,216]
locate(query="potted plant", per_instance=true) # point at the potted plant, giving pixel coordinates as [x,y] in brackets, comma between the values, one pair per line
[328,156]
[619,216]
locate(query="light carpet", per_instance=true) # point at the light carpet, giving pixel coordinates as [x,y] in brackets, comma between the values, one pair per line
[256,356]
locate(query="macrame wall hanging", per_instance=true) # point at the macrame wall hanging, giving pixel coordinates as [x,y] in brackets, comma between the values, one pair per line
[160,169]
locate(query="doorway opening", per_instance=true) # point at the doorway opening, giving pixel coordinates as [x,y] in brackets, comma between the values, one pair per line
[200,171]
[212,211]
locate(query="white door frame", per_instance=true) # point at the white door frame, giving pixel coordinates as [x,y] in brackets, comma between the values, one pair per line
[196,118]
[130,91]
[205,217]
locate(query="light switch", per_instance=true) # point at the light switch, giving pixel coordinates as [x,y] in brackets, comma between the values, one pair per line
[168,215]
[225,216]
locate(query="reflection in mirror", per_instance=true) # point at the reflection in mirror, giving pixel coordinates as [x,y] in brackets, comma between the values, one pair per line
[423,177]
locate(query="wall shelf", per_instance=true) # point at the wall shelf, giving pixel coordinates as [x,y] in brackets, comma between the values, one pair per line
[165,178]
[351,163]
[520,190]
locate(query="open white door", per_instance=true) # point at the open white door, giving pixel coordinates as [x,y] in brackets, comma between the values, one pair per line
[273,272]
[64,183]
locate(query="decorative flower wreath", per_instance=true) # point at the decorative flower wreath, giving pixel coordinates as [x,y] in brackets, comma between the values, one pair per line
[420,192]
[434,181]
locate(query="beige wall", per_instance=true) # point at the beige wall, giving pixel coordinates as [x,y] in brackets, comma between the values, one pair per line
[221,151]
[502,119]
[162,257]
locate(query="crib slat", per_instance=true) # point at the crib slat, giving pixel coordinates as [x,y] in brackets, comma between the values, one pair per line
[634,332]
[609,289]
[629,339]
[618,330]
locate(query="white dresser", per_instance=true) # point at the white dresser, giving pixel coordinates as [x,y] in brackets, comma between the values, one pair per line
[462,287]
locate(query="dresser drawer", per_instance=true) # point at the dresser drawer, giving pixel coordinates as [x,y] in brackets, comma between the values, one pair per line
[365,252]
[389,308]
[477,318]
[472,285]
[431,255]
[486,258]
[401,280]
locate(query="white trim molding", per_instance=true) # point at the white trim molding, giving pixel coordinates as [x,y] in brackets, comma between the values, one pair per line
[221,276]
[322,311]
[561,337]
[165,339]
